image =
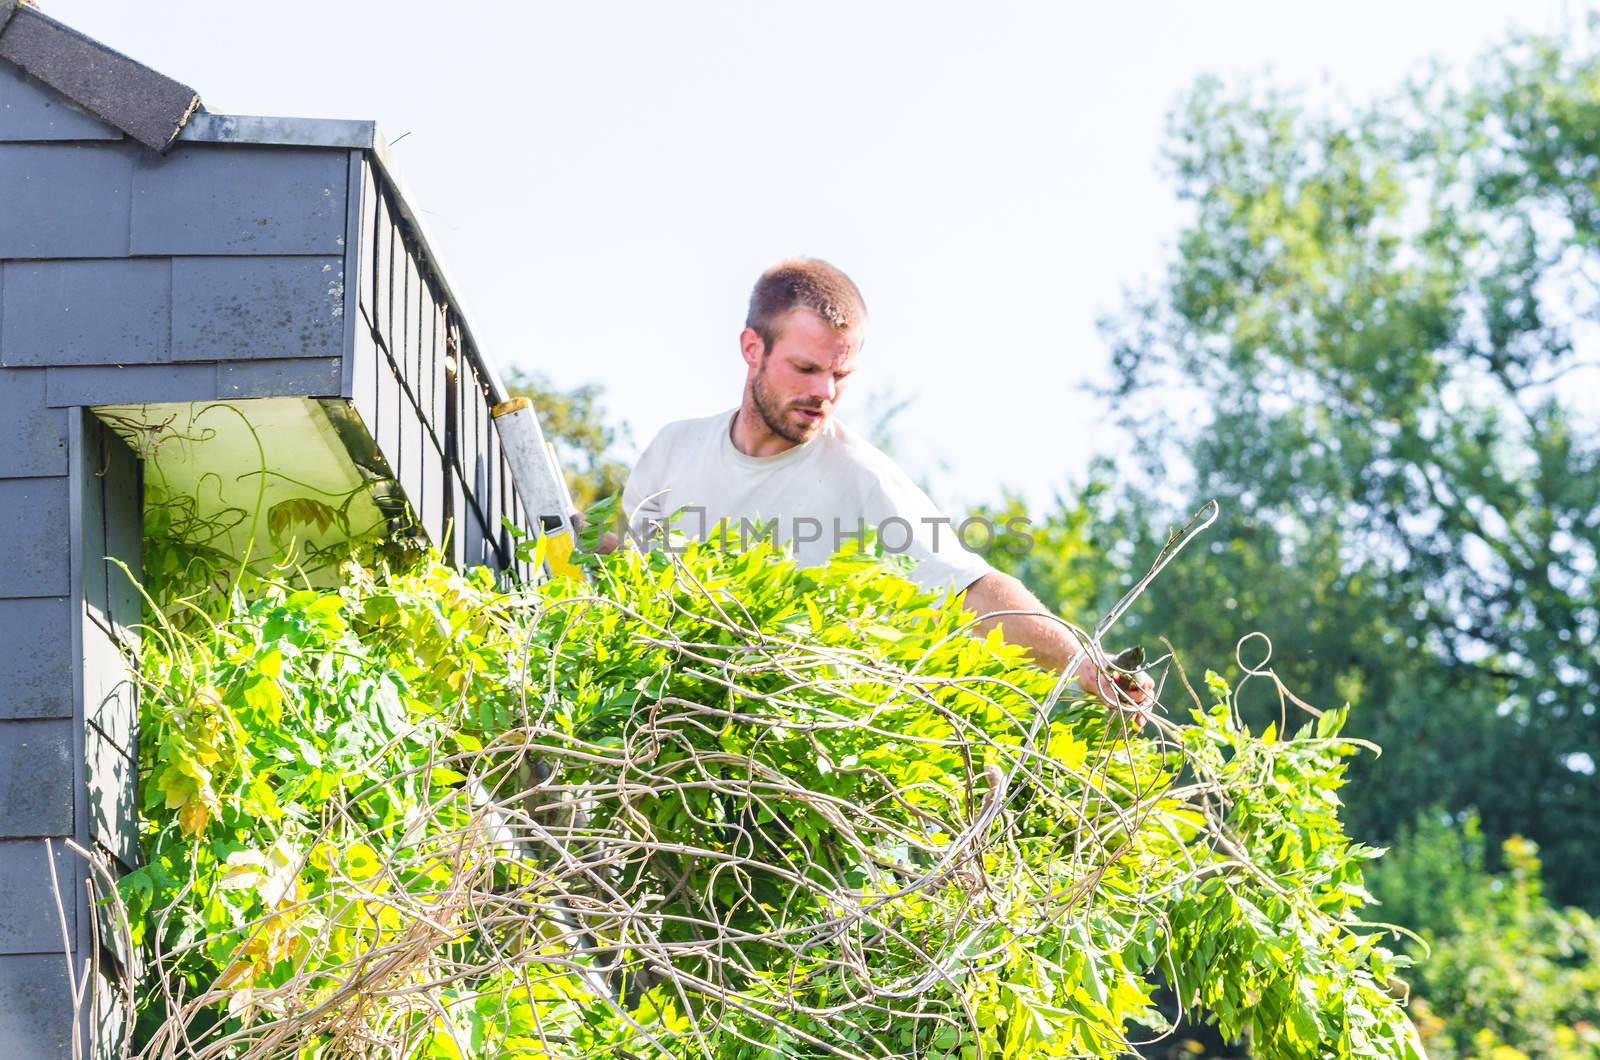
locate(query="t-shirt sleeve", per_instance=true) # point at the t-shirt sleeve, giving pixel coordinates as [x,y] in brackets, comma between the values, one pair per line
[917,529]
[644,496]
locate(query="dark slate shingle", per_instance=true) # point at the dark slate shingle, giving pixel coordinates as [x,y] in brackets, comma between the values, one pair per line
[257,308]
[33,437]
[36,658]
[86,312]
[33,517]
[238,199]
[148,106]
[31,110]
[36,781]
[65,200]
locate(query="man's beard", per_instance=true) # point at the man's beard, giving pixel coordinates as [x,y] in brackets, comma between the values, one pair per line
[772,412]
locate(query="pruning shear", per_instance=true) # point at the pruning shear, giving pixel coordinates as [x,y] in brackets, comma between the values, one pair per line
[1127,663]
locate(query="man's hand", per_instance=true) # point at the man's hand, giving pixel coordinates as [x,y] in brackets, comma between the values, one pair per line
[608,541]
[1052,645]
[1121,688]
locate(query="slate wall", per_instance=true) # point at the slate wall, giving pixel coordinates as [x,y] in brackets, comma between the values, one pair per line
[39,718]
[216,271]
[70,506]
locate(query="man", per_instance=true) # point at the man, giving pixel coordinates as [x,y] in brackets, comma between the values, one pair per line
[782,456]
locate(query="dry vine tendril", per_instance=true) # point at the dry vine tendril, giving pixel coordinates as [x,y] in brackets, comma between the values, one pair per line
[712,805]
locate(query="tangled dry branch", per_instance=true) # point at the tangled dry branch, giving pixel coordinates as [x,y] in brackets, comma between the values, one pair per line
[824,846]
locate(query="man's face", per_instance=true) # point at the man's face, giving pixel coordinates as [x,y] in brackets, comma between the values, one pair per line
[796,384]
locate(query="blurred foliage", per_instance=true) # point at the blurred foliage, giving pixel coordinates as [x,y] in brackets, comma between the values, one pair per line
[1509,974]
[1054,552]
[585,437]
[1376,318]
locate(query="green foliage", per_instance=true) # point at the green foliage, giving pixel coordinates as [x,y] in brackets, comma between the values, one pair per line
[1376,314]
[1366,347]
[1056,555]
[714,804]
[1435,875]
[290,716]
[1509,975]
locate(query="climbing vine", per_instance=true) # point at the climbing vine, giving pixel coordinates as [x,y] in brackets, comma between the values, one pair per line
[710,803]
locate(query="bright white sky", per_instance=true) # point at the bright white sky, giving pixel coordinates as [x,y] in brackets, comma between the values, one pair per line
[604,181]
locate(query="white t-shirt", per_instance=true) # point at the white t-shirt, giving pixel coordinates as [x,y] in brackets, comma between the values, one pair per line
[821,494]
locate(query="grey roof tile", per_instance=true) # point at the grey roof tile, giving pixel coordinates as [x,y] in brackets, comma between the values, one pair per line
[148,106]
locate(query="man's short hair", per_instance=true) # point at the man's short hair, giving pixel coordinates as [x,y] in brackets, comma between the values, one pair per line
[803,283]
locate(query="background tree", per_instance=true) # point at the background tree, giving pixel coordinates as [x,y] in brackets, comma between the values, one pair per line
[1378,314]
[586,438]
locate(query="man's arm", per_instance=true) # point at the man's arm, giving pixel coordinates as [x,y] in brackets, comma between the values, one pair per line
[1049,642]
[643,496]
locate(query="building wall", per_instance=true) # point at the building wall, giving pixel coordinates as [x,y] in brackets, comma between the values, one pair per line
[211,272]
[38,717]
[218,271]
[68,710]
[215,272]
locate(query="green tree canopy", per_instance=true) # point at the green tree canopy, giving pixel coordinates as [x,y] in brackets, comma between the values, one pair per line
[1379,317]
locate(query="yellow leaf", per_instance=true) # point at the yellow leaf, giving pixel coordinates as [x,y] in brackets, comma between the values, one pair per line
[815,612]
[193,817]
[242,1004]
[361,862]
[178,787]
[1066,748]
[245,867]
[278,883]
[234,972]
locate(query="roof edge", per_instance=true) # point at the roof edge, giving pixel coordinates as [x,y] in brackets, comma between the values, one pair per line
[206,127]
[146,105]
[351,134]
